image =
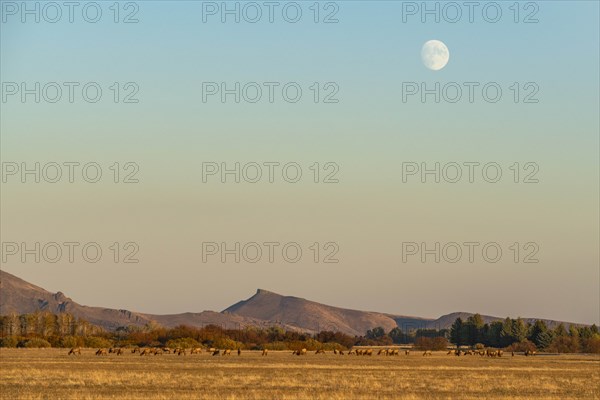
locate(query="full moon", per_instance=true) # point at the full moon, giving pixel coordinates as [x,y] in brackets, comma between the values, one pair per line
[435,55]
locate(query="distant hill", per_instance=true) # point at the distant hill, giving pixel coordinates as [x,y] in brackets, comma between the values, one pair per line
[263,309]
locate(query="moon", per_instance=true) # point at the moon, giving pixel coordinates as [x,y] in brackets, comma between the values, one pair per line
[435,55]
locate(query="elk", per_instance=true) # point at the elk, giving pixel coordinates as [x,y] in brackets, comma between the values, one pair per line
[407,352]
[216,352]
[341,353]
[102,352]
[320,351]
[181,352]
[394,352]
[499,353]
[75,351]
[136,350]
[166,350]
[368,352]
[264,352]
[196,350]
[335,351]
[427,353]
[382,352]
[240,352]
[449,352]
[226,352]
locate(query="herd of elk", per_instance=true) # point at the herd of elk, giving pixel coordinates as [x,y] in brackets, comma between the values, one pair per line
[490,352]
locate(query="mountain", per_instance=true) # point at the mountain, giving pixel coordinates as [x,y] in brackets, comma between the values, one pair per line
[263,309]
[21,297]
[308,314]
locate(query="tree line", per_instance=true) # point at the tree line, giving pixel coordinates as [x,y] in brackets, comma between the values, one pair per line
[44,329]
[515,334]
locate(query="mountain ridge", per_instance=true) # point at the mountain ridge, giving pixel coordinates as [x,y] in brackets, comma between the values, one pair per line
[263,309]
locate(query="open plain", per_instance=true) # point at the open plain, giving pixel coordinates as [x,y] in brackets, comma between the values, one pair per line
[52,374]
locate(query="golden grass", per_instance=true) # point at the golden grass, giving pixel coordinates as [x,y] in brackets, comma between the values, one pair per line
[50,374]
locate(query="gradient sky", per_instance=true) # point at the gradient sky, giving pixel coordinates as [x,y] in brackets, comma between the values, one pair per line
[369,134]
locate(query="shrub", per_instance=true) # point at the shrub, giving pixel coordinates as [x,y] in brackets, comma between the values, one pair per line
[592,345]
[35,343]
[564,344]
[426,343]
[184,343]
[9,341]
[522,346]
[226,343]
[72,341]
[96,341]
[274,346]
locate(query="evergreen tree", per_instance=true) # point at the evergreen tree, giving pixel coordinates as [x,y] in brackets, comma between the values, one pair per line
[506,334]
[519,330]
[474,329]
[457,332]
[538,329]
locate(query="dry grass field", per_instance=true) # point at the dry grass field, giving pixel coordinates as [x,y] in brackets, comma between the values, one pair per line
[51,374]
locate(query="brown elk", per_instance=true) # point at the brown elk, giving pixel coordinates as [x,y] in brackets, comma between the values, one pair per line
[226,352]
[427,353]
[320,351]
[300,352]
[196,350]
[407,352]
[102,352]
[265,352]
[382,352]
[216,352]
[75,351]
[335,351]
[181,352]
[239,351]
[166,350]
